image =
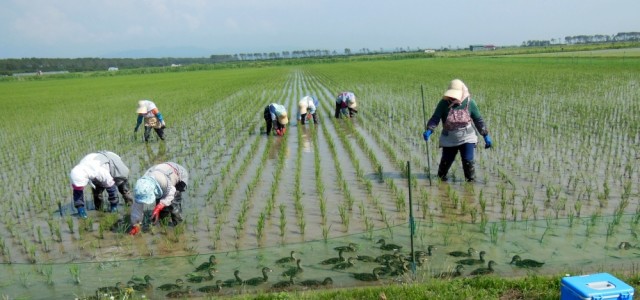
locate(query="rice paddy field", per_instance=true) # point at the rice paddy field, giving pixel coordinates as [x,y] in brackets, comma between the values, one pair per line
[560,185]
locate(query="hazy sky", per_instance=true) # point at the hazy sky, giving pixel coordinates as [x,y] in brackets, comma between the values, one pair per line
[101,28]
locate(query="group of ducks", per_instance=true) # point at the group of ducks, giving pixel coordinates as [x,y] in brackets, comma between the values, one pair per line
[389,264]
[489,269]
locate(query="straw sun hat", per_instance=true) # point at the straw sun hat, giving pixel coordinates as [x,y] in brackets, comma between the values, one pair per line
[142,109]
[455,89]
[283,119]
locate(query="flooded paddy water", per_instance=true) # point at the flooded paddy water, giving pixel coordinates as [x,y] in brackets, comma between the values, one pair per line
[253,199]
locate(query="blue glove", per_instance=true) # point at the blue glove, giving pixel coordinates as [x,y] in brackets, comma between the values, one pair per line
[427,134]
[487,142]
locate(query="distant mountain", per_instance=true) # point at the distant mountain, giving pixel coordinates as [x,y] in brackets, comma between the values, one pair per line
[177,52]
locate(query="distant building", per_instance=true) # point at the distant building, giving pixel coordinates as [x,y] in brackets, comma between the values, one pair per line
[112,69]
[429,51]
[176,65]
[482,47]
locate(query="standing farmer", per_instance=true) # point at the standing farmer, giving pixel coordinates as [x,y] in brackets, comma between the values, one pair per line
[152,117]
[162,185]
[275,115]
[307,108]
[457,111]
[346,105]
[104,170]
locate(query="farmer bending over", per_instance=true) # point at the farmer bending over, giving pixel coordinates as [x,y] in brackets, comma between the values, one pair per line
[275,115]
[307,109]
[346,105]
[104,170]
[162,185]
[148,111]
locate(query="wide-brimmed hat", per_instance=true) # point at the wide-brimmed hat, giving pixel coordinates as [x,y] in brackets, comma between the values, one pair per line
[352,102]
[303,105]
[455,89]
[283,119]
[142,109]
[144,191]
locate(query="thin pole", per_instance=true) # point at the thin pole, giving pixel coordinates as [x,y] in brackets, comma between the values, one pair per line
[412,224]
[424,118]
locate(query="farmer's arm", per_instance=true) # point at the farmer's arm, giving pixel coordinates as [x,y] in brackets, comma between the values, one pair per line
[441,111]
[168,199]
[477,118]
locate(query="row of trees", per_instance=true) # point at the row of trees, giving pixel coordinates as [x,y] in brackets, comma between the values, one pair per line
[586,39]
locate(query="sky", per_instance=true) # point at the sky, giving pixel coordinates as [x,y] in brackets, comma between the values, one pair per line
[199,28]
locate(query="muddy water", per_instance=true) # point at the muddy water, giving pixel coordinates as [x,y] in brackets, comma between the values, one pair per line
[565,245]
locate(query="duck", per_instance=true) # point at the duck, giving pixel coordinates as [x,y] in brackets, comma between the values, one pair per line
[483,270]
[180,293]
[456,273]
[295,271]
[473,261]
[116,289]
[429,252]
[388,247]
[200,278]
[259,280]
[206,265]
[345,264]
[172,286]
[388,257]
[138,279]
[373,276]
[349,248]
[365,258]
[210,289]
[525,263]
[334,260]
[283,284]
[141,287]
[625,246]
[233,282]
[289,259]
[469,253]
[316,283]
[400,269]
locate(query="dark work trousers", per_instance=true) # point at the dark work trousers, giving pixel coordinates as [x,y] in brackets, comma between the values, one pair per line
[303,118]
[98,193]
[174,210]
[467,152]
[147,133]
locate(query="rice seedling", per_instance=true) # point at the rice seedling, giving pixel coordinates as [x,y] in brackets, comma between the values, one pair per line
[74,270]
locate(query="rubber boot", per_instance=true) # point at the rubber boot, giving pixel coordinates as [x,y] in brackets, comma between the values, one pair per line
[469,170]
[113,208]
[81,212]
[443,169]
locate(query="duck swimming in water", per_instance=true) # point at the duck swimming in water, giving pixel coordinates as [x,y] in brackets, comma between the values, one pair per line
[259,280]
[210,289]
[295,271]
[280,285]
[366,258]
[117,289]
[525,263]
[233,282]
[373,276]
[473,261]
[200,278]
[344,265]
[172,286]
[456,273]
[484,271]
[349,248]
[285,260]
[207,265]
[181,293]
[469,253]
[388,247]
[316,283]
[141,287]
[625,246]
[334,260]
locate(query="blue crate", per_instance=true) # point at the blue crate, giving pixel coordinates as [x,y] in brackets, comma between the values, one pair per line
[594,287]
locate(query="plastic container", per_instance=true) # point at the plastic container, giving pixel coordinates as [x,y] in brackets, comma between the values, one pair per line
[594,287]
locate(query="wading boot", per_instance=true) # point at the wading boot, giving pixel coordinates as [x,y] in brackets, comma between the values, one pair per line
[443,169]
[469,170]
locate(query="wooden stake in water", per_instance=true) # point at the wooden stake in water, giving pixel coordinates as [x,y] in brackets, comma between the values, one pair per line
[412,224]
[424,118]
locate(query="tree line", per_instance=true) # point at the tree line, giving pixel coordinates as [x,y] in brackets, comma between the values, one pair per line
[586,39]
